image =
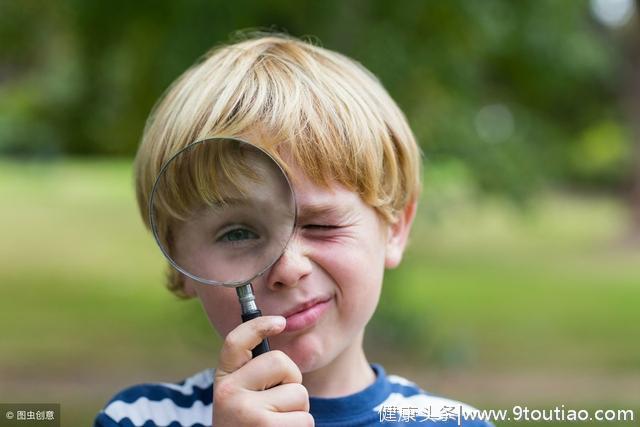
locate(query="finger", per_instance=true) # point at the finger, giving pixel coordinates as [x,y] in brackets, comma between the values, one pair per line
[292,419]
[237,345]
[284,398]
[268,370]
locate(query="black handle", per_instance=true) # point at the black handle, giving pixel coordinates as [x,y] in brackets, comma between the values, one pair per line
[263,347]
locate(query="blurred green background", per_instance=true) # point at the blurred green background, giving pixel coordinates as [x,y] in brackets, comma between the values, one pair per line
[521,284]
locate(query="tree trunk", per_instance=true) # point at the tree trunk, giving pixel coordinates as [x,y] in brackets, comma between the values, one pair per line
[632,90]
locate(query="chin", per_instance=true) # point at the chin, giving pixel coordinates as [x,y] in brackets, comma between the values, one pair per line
[307,353]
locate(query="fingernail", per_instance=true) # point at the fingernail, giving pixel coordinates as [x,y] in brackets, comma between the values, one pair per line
[279,321]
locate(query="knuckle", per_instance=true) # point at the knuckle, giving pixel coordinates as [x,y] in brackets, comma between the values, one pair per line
[283,363]
[301,391]
[280,356]
[279,359]
[303,395]
[308,420]
[304,391]
[223,392]
[290,363]
[232,340]
[287,365]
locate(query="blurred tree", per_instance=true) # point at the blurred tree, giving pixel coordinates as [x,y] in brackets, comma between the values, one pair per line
[632,102]
[520,93]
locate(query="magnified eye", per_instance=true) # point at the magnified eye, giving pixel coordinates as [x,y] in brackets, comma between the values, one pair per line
[237,235]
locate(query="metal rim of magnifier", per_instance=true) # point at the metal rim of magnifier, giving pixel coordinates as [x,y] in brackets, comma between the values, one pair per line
[154,227]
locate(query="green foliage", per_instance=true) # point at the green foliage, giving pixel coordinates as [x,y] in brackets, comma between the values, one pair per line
[80,77]
[602,155]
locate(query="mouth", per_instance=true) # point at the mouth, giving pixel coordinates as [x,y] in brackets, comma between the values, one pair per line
[306,314]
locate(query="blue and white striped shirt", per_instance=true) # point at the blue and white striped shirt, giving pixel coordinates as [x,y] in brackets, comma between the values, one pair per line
[389,401]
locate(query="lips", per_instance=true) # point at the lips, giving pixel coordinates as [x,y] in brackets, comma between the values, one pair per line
[306,314]
[305,305]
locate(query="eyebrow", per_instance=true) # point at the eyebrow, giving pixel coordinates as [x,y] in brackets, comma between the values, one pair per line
[227,203]
[318,209]
[239,202]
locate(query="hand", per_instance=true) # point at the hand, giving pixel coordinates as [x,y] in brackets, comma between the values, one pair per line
[261,392]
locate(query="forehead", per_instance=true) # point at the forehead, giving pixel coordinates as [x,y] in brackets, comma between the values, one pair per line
[314,199]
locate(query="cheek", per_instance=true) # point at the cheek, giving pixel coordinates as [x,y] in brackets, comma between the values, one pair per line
[357,270]
[221,306]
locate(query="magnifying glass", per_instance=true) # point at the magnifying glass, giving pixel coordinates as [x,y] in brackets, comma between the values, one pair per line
[222,212]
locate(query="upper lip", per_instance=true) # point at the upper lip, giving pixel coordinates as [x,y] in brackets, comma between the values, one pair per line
[305,305]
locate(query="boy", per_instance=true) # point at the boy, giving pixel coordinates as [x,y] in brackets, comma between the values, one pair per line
[355,169]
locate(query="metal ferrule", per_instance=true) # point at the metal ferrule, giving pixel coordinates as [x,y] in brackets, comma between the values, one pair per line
[247,300]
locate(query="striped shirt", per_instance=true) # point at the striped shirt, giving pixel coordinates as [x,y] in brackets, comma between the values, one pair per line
[390,401]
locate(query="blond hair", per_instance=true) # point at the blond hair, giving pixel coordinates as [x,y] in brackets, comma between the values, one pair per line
[332,116]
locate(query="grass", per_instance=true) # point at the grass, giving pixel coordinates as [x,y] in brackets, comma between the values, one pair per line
[485,292]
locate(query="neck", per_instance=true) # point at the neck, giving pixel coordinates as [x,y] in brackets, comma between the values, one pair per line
[347,374]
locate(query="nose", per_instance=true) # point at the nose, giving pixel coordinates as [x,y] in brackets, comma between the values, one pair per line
[291,267]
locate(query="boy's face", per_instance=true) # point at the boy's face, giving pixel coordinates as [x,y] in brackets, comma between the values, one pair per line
[334,261]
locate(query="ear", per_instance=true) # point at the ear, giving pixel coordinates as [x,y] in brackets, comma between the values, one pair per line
[398,234]
[188,287]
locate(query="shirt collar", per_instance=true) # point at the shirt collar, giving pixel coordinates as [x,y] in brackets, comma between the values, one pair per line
[353,405]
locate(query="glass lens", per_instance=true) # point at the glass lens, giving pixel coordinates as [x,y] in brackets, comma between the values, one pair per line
[222,211]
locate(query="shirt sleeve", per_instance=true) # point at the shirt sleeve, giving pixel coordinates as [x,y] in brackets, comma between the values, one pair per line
[103,420]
